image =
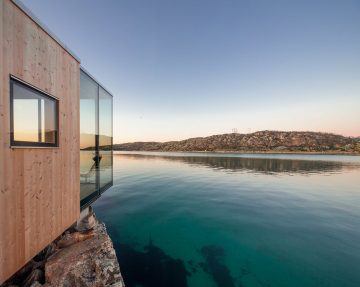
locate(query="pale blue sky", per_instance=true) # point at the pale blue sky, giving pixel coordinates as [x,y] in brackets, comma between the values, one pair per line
[189,68]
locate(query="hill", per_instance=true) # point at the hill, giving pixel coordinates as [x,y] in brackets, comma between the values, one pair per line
[261,141]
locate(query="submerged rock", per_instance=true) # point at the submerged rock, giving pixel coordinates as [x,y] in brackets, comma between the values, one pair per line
[215,266]
[91,262]
[151,267]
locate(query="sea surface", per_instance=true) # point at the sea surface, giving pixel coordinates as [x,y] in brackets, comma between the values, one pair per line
[224,220]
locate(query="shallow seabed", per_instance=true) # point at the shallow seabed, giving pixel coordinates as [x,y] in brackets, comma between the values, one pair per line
[184,219]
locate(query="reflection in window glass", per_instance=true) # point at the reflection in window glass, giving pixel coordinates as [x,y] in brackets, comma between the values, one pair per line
[105,138]
[88,111]
[105,119]
[34,116]
[95,139]
[88,130]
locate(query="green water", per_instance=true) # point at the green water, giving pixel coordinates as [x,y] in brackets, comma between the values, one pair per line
[190,219]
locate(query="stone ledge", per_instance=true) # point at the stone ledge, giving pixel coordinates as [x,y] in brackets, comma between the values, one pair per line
[85,259]
[91,262]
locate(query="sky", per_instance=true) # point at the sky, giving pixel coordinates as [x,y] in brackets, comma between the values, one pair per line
[185,68]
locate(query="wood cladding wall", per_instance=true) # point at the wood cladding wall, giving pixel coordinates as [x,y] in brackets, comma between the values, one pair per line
[39,187]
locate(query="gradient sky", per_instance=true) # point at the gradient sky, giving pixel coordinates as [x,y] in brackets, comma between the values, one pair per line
[189,68]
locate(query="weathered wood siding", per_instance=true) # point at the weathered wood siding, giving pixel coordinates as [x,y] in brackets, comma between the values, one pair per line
[39,187]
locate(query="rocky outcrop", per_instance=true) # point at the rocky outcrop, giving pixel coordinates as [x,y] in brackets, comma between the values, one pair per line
[90,262]
[83,256]
[262,141]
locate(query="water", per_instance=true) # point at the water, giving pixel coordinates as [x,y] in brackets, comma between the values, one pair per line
[198,219]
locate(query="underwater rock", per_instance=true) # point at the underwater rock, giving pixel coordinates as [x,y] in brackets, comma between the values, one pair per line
[151,267]
[214,265]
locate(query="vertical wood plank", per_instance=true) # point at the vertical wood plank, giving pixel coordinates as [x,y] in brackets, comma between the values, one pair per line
[39,188]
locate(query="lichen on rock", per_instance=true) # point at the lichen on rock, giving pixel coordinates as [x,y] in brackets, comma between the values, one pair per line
[85,259]
[91,262]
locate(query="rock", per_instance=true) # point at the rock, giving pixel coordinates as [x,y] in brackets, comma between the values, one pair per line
[91,262]
[86,223]
[279,148]
[76,259]
[35,275]
[71,238]
[262,141]
[26,275]
[45,253]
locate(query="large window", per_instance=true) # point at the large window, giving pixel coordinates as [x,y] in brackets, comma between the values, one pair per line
[105,138]
[34,116]
[96,164]
[89,156]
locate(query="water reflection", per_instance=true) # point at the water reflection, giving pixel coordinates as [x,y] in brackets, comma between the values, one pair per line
[255,165]
[225,220]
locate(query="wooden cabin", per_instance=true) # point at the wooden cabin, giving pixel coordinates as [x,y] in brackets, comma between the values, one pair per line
[50,108]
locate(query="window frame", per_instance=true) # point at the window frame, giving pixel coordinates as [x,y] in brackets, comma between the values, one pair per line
[24,144]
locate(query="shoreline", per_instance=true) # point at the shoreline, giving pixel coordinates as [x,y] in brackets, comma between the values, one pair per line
[83,255]
[253,152]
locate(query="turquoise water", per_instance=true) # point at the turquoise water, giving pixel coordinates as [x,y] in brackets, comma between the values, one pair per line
[200,219]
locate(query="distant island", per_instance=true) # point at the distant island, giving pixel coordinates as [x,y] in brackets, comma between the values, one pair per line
[261,141]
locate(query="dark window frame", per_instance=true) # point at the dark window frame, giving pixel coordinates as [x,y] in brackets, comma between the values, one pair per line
[31,144]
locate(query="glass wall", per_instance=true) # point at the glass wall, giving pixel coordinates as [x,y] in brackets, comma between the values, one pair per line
[95,139]
[105,138]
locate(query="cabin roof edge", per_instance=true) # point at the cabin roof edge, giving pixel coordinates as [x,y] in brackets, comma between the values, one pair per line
[31,15]
[98,82]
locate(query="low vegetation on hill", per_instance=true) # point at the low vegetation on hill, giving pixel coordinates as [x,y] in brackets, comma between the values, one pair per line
[262,141]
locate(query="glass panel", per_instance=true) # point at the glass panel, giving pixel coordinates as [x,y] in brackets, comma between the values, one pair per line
[34,115]
[96,173]
[26,120]
[49,121]
[105,138]
[88,132]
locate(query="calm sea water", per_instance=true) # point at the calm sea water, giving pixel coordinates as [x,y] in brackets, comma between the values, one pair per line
[190,219]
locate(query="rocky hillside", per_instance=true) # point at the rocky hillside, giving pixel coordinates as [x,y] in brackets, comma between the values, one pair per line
[262,141]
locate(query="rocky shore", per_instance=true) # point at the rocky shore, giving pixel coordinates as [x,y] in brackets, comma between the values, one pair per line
[82,256]
[262,141]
